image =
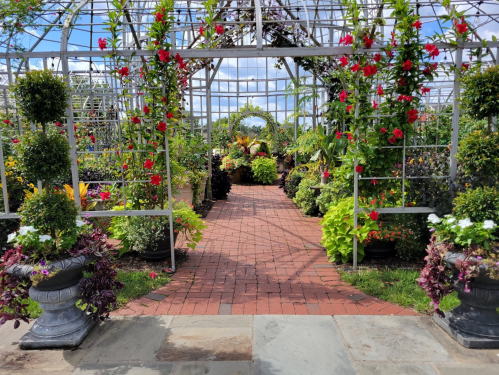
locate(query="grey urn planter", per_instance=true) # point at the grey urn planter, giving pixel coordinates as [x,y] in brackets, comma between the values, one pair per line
[475,322]
[62,324]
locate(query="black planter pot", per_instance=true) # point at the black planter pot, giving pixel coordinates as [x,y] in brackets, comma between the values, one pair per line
[162,250]
[380,249]
[62,324]
[475,322]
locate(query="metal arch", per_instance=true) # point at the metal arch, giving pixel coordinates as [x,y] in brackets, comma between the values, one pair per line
[67,24]
[259,25]
[308,20]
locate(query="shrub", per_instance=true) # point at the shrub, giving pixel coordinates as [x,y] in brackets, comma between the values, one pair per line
[478,155]
[282,179]
[236,153]
[264,170]
[305,197]
[292,182]
[330,195]
[263,147]
[221,182]
[41,96]
[412,243]
[230,164]
[478,204]
[43,157]
[49,213]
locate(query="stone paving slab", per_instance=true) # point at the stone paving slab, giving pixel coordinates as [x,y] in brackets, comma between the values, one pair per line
[383,368]
[214,368]
[294,345]
[126,369]
[391,339]
[460,369]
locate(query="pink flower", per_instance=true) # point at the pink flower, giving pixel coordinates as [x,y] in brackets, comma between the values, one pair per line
[105,195]
[153,275]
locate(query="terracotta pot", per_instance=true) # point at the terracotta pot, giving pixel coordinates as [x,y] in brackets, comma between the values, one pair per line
[475,322]
[237,175]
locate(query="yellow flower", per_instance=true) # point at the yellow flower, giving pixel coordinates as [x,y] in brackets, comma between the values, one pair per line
[20,179]
[1,186]
[31,186]
[421,160]
[10,158]
[467,184]
[412,161]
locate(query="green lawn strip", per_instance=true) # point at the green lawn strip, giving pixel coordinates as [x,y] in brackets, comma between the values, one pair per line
[397,286]
[136,284]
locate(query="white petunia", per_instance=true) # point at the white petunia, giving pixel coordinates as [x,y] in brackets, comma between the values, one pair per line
[451,220]
[434,219]
[44,238]
[25,230]
[465,223]
[489,224]
[79,223]
[11,236]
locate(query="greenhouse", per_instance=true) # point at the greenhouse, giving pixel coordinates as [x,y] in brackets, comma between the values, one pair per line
[178,178]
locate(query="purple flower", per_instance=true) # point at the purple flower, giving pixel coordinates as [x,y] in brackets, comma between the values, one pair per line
[45,272]
[432,230]
[479,258]
[87,215]
[186,172]
[34,273]
[42,263]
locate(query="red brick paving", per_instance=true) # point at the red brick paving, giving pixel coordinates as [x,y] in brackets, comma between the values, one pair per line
[262,256]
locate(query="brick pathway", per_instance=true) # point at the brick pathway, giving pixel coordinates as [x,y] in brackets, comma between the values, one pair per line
[259,255]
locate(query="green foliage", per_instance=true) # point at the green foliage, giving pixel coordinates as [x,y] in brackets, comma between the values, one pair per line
[478,204]
[396,286]
[236,153]
[43,157]
[264,170]
[264,147]
[41,96]
[481,93]
[49,213]
[305,197]
[331,193]
[292,182]
[338,231]
[230,164]
[478,155]
[138,283]
[413,242]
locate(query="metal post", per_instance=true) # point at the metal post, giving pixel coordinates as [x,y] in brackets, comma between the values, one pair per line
[455,113]
[208,124]
[297,82]
[355,181]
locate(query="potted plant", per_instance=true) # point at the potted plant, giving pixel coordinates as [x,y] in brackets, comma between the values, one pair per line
[464,256]
[53,248]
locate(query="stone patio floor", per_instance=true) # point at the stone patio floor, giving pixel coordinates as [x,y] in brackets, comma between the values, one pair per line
[259,255]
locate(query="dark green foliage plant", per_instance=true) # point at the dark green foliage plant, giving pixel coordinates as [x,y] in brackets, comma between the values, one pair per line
[478,156]
[221,182]
[292,182]
[331,193]
[305,197]
[42,97]
[264,170]
[413,242]
[481,94]
[43,157]
[478,204]
[263,147]
[49,213]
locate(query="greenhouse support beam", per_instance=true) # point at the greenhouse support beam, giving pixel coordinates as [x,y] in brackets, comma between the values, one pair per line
[208,136]
[455,114]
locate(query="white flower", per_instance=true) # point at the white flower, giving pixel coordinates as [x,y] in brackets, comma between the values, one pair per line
[489,224]
[451,220]
[44,238]
[25,230]
[79,223]
[434,219]
[465,223]
[11,236]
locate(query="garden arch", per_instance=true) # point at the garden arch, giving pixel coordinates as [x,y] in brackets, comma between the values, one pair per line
[263,115]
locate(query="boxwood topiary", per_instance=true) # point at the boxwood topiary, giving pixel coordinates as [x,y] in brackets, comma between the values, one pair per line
[478,204]
[264,170]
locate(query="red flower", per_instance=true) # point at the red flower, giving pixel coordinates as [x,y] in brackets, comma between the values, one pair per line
[389,54]
[348,39]
[407,65]
[123,71]
[156,42]
[413,115]
[159,17]
[135,120]
[462,27]
[375,105]
[201,30]
[343,96]
[148,164]
[377,57]
[398,133]
[156,179]
[368,42]
[125,167]
[105,195]
[164,55]
[102,44]
[338,134]
[359,168]
[130,146]
[349,136]
[146,109]
[383,130]
[425,90]
[162,126]
[349,108]
[153,275]
[374,182]
[432,50]
[326,174]
[417,24]
[15,141]
[164,100]
[91,136]
[373,215]
[344,61]
[392,140]
[169,115]
[380,90]
[401,82]
[369,70]
[355,68]
[465,66]
[219,29]
[7,122]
